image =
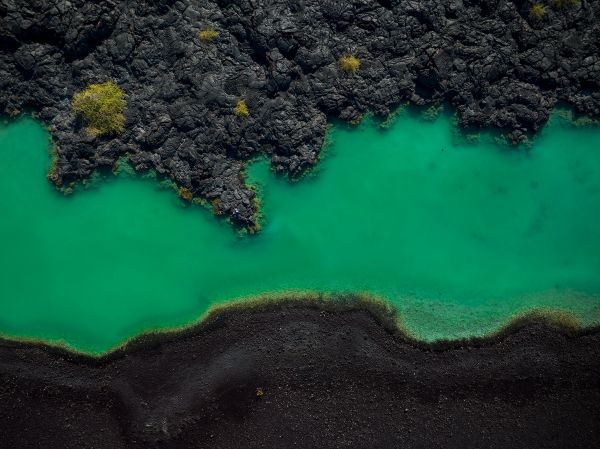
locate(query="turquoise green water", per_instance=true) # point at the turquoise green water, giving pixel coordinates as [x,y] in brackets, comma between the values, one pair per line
[458,236]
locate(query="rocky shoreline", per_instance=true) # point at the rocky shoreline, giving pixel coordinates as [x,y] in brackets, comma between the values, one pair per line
[310,377]
[489,59]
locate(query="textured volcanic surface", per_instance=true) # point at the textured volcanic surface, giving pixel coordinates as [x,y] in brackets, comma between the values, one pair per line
[330,380]
[487,58]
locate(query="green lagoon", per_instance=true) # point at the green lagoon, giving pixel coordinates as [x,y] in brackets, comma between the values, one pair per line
[458,236]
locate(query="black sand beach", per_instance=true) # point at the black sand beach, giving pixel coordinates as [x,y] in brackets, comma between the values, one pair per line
[296,376]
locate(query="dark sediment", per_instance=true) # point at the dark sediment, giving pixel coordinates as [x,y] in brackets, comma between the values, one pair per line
[328,380]
[487,58]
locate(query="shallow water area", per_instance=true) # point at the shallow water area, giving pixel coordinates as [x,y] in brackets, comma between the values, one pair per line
[459,236]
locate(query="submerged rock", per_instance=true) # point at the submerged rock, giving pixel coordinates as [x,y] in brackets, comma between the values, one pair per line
[489,59]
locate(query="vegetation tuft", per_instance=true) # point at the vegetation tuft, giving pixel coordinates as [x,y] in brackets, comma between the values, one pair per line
[103,106]
[349,63]
[537,11]
[208,34]
[241,109]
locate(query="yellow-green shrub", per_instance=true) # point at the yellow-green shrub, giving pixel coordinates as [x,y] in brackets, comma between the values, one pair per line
[349,63]
[103,106]
[537,11]
[241,109]
[208,34]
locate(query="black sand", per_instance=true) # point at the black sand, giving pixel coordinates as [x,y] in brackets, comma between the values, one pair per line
[328,380]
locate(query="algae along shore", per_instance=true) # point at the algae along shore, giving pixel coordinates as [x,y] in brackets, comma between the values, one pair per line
[459,236]
[299,224]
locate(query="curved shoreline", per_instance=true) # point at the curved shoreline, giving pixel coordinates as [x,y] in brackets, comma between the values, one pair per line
[491,60]
[561,111]
[380,309]
[481,321]
[311,378]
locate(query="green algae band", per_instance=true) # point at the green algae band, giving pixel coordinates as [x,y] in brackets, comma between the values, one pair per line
[459,236]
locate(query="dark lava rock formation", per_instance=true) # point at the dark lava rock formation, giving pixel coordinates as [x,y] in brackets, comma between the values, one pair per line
[487,58]
[306,378]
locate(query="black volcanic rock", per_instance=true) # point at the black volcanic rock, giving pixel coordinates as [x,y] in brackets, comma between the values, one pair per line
[488,59]
[289,377]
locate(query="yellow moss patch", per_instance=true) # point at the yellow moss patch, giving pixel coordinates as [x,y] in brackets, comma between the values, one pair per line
[208,34]
[349,63]
[241,109]
[103,106]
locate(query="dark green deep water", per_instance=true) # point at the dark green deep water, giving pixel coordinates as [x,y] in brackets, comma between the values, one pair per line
[459,236]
